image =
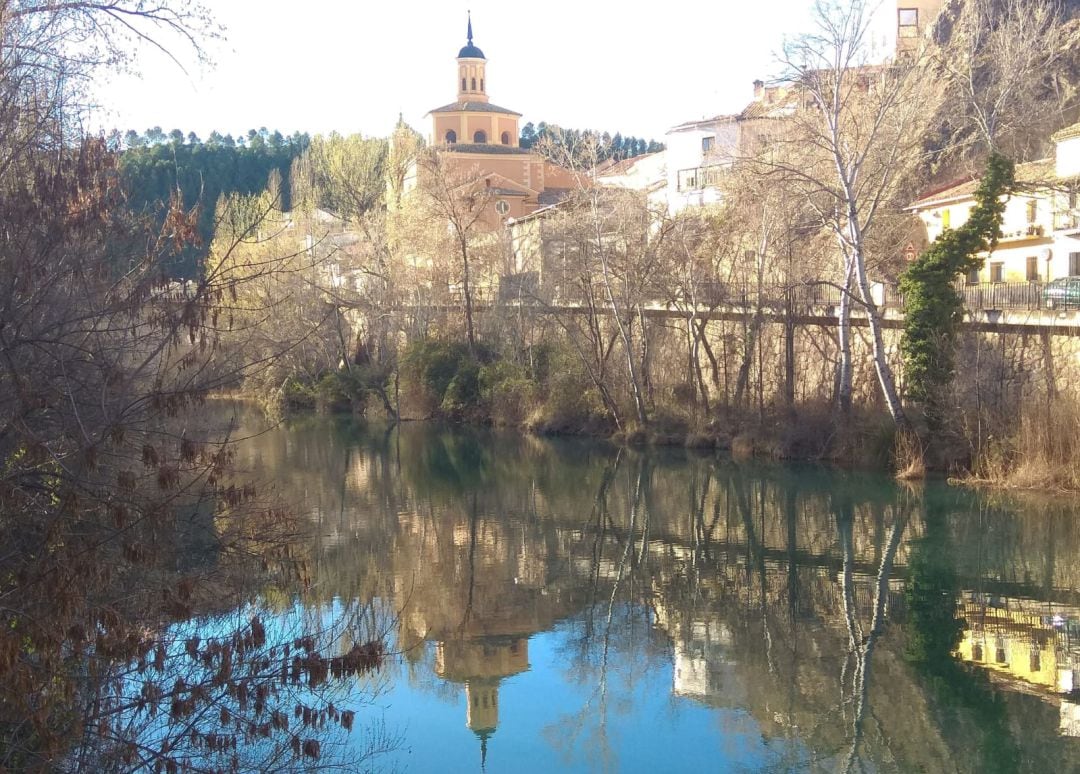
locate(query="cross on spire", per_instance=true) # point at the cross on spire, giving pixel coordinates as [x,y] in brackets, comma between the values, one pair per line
[470,27]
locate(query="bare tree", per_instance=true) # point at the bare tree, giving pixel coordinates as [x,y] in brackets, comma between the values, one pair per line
[459,200]
[1001,61]
[113,469]
[855,136]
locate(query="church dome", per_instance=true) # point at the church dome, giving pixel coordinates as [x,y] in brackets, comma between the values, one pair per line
[472,52]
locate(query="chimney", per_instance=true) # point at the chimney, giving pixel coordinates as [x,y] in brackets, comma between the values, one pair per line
[759,87]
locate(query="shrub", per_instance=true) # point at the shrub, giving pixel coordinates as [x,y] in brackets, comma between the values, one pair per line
[507,392]
[443,377]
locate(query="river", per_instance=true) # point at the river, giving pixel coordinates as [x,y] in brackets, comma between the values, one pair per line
[563,605]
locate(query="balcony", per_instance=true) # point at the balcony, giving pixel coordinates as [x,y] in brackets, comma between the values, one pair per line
[697,178]
[1067,220]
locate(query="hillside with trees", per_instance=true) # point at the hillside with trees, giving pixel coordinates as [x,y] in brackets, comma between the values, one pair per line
[579,143]
[156,165]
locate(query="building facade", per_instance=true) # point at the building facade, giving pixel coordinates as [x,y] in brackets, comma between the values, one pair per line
[478,140]
[1041,226]
[914,18]
[700,152]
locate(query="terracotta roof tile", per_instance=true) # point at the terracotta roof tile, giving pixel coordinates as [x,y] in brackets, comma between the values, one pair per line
[476,107]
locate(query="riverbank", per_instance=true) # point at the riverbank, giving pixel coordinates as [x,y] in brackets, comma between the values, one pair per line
[548,391]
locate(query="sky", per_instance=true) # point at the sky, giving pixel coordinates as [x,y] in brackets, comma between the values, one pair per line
[353,65]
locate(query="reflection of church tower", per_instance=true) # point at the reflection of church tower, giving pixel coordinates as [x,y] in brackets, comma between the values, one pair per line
[482,711]
[481,664]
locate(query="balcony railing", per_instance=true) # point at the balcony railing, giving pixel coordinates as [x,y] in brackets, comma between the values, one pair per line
[805,297]
[697,178]
[1067,220]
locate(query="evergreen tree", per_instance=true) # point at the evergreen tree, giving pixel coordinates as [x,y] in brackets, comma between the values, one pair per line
[933,308]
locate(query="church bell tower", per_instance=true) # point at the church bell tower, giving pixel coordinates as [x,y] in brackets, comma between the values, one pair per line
[471,65]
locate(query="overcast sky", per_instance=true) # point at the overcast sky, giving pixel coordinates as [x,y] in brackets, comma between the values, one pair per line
[332,65]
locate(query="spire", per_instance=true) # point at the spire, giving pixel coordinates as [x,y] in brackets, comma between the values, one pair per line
[470,51]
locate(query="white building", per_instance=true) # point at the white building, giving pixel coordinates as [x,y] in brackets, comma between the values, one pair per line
[700,152]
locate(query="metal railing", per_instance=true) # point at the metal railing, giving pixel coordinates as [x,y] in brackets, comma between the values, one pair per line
[1067,220]
[978,297]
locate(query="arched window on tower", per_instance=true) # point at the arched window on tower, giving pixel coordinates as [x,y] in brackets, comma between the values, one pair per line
[451,137]
[481,84]
[463,84]
[480,136]
[474,84]
[506,138]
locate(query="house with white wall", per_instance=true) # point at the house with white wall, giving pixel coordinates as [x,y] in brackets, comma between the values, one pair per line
[700,152]
[1041,224]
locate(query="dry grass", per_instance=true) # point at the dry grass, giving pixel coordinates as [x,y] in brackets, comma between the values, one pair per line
[909,457]
[1042,452]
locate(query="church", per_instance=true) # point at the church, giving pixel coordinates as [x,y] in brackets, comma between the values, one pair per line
[478,139]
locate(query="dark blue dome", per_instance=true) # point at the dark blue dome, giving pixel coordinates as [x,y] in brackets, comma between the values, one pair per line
[472,52]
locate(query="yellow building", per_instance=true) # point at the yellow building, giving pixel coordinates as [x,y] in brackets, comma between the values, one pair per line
[1040,227]
[478,140]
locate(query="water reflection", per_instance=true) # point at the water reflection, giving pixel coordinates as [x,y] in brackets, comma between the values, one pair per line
[578,607]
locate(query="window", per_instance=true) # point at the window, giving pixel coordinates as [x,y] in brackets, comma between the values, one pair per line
[1072,200]
[977,652]
[973,277]
[474,84]
[481,84]
[1036,660]
[688,179]
[1074,264]
[907,22]
[502,207]
[1032,210]
[480,136]
[463,84]
[1032,268]
[451,137]
[997,272]
[505,138]
[946,218]
[707,144]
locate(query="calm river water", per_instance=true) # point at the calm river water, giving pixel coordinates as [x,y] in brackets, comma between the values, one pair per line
[566,606]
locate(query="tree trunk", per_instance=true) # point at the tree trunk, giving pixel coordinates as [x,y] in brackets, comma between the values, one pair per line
[886,380]
[843,328]
[467,293]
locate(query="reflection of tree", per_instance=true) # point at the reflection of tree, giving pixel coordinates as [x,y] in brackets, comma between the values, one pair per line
[772,588]
[861,646]
[592,648]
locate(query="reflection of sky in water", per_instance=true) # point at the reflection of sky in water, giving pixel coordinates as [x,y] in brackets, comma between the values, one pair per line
[760,617]
[550,722]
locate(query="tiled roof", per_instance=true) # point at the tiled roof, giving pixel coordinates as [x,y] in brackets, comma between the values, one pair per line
[780,107]
[475,107]
[1068,133]
[1031,173]
[623,166]
[476,147]
[552,196]
[702,122]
